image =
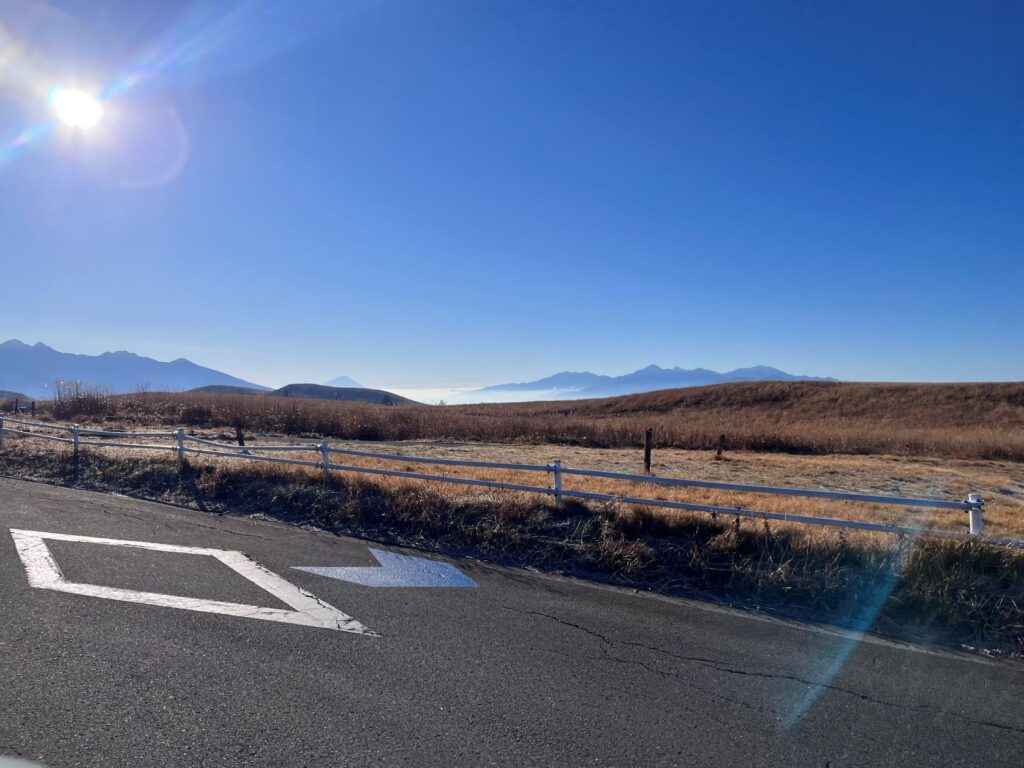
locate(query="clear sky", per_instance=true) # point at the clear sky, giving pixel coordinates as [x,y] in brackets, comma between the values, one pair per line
[438,194]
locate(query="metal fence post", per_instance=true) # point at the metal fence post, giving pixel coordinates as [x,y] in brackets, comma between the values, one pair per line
[556,467]
[325,457]
[74,442]
[975,514]
[179,433]
[1,431]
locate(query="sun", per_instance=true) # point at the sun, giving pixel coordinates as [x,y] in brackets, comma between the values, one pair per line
[75,108]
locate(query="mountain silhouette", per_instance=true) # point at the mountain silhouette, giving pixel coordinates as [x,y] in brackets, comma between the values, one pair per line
[33,369]
[571,385]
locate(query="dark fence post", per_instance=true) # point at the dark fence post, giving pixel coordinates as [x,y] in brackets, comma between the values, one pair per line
[74,440]
[648,445]
[721,446]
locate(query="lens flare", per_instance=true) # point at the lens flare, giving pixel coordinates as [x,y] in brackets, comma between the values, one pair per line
[213,40]
[75,108]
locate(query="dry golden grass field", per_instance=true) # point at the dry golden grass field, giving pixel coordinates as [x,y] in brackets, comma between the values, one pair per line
[930,440]
[1001,483]
[961,421]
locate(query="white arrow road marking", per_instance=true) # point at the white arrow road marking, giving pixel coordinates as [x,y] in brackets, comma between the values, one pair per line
[396,570]
[44,573]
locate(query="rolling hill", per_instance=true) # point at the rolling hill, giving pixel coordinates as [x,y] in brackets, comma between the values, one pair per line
[956,420]
[314,392]
[228,389]
[323,392]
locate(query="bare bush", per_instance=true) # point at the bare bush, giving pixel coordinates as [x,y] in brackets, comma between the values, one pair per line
[72,399]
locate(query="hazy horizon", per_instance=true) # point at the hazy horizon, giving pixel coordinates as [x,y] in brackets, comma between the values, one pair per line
[456,393]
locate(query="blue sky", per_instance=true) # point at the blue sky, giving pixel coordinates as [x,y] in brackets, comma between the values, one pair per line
[445,194]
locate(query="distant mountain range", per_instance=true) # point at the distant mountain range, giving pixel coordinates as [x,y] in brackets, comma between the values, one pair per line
[571,385]
[33,369]
[30,371]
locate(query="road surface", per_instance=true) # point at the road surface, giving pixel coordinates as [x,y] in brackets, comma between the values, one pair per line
[523,669]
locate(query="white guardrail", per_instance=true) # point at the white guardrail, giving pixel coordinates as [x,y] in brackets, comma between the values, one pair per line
[184,444]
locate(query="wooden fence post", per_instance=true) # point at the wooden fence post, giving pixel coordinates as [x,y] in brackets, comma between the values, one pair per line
[721,446]
[648,445]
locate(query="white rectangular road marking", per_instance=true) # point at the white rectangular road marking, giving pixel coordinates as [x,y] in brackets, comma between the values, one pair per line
[43,572]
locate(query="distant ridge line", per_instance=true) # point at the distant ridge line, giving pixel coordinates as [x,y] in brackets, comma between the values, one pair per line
[33,369]
[573,385]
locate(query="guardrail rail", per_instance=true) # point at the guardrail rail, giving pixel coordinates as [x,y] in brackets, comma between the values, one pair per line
[183,444]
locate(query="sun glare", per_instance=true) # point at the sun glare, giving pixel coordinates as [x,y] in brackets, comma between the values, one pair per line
[75,108]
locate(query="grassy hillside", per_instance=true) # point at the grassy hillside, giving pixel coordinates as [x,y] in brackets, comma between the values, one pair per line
[906,406]
[919,405]
[225,389]
[957,420]
[324,392]
[313,391]
[971,421]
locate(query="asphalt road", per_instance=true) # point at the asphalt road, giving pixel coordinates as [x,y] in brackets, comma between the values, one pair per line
[525,669]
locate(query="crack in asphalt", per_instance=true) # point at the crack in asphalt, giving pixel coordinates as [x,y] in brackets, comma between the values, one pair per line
[138,517]
[191,524]
[702,712]
[605,656]
[720,666]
